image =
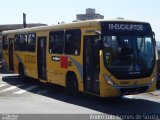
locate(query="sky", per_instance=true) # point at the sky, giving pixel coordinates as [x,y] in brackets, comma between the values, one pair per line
[54,11]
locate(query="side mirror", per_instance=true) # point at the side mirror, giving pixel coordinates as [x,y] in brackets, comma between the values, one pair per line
[98,32]
[153,34]
[154,37]
[99,44]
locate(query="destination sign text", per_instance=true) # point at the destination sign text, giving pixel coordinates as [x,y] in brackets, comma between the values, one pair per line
[128,27]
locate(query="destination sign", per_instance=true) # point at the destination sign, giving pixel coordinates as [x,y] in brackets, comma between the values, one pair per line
[126,28]
[129,27]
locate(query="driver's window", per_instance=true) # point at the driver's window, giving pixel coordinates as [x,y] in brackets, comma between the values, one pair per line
[148,43]
[149,51]
[140,44]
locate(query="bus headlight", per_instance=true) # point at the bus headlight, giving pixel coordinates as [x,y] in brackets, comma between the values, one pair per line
[109,81]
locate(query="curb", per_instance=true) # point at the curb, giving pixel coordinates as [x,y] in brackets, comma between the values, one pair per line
[156,93]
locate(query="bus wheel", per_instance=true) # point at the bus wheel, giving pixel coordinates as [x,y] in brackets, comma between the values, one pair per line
[21,72]
[72,85]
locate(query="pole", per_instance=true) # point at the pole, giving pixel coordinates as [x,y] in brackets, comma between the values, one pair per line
[24,20]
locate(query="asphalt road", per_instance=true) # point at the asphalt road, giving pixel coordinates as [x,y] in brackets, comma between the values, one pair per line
[31,97]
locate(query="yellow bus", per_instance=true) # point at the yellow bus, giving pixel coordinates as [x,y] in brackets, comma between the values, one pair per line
[106,58]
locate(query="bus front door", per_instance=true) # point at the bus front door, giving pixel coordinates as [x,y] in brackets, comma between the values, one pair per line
[11,67]
[91,64]
[41,58]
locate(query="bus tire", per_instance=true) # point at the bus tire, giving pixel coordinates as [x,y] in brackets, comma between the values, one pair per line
[72,85]
[21,72]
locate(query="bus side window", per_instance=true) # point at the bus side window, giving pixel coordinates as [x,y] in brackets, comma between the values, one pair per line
[73,42]
[23,42]
[5,43]
[31,43]
[56,42]
[16,42]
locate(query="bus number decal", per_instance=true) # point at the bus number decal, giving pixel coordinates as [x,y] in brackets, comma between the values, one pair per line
[64,62]
[124,82]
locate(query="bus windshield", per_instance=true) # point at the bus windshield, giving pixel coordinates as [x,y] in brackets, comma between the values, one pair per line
[129,56]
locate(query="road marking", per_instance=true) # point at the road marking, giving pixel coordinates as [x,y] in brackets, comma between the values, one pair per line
[2,82]
[10,75]
[1,85]
[42,92]
[129,96]
[10,88]
[25,90]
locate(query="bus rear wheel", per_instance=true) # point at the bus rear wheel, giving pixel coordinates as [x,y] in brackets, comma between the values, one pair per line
[21,72]
[72,85]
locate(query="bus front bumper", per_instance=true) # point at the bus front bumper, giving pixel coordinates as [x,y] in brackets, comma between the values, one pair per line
[135,89]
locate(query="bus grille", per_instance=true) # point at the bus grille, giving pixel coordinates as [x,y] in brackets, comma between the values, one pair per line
[133,90]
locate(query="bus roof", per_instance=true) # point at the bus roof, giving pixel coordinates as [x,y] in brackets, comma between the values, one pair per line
[67,25]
